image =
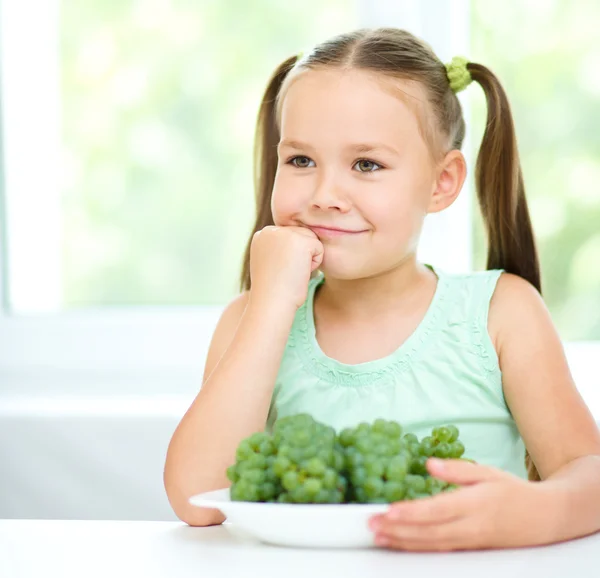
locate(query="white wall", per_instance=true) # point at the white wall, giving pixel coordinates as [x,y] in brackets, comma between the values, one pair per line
[92,458]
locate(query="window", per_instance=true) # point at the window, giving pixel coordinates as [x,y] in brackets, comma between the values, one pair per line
[138,118]
[127,133]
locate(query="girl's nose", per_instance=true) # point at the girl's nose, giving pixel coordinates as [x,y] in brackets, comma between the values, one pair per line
[329,196]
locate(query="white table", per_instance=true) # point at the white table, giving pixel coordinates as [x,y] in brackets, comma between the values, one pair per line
[89,549]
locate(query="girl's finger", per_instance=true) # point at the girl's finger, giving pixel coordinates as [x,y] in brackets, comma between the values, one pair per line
[454,535]
[438,509]
[415,545]
[419,532]
[462,472]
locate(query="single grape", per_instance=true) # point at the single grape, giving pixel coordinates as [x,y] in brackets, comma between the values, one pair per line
[373,487]
[347,437]
[254,476]
[457,449]
[393,429]
[336,496]
[316,467]
[363,445]
[395,446]
[299,495]
[282,464]
[244,450]
[354,458]
[374,467]
[379,425]
[358,477]
[363,427]
[394,491]
[313,486]
[411,438]
[257,461]
[268,491]
[361,496]
[290,480]
[301,438]
[325,455]
[419,466]
[434,485]
[330,479]
[384,448]
[296,454]
[245,491]
[454,433]
[322,497]
[410,494]
[444,434]
[232,474]
[397,468]
[415,483]
[443,450]
[427,447]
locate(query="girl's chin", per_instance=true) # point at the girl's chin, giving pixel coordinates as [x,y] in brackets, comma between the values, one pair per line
[337,269]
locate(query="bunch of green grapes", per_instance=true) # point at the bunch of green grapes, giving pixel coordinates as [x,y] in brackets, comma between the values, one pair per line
[302,462]
[384,466]
[305,462]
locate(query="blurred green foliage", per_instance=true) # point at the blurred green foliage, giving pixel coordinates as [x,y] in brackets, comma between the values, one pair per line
[159,104]
[547,56]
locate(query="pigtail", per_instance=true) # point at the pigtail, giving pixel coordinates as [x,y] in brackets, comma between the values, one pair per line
[266,140]
[501,194]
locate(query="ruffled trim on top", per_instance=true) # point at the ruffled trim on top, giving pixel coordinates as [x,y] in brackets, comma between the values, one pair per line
[303,339]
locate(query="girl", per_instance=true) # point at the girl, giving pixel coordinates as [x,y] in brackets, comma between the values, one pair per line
[356,143]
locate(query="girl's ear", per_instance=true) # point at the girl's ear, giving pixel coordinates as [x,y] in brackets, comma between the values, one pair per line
[451,175]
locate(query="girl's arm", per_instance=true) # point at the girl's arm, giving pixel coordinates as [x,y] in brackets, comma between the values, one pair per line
[241,368]
[556,425]
[496,509]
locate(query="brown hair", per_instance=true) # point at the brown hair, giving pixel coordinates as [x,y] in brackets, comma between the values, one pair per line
[398,54]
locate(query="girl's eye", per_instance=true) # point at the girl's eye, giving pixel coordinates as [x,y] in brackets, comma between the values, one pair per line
[301,162]
[366,166]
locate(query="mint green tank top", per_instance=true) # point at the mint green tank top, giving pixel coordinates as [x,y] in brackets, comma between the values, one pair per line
[446,372]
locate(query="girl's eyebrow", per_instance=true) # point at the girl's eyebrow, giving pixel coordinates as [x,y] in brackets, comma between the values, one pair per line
[359,147]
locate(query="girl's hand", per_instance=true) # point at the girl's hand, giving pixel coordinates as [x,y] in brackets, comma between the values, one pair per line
[281,262]
[492,509]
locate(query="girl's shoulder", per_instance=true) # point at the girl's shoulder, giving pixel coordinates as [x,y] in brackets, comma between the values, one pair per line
[494,303]
[515,306]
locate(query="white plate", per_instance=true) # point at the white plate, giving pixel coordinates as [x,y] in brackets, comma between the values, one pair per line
[302,525]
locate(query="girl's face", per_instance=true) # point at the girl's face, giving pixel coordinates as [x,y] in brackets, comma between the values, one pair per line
[351,157]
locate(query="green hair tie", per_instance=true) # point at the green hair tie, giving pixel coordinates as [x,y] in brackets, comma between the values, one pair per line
[457,73]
